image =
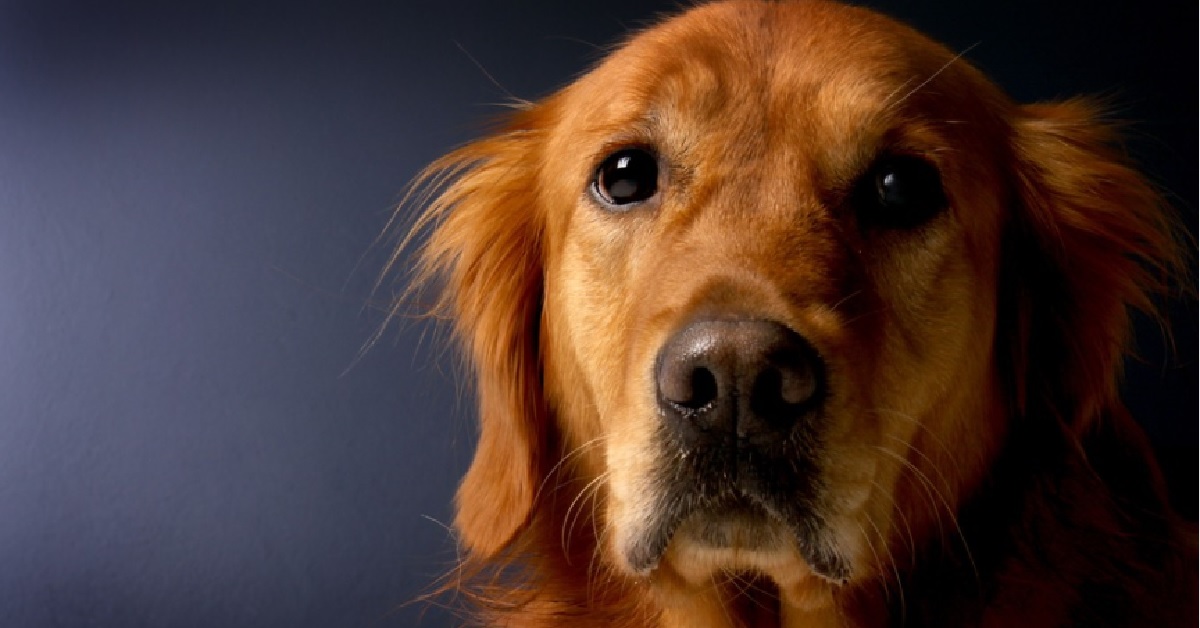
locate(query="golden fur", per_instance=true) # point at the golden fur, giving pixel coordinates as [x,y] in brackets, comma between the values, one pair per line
[975,465]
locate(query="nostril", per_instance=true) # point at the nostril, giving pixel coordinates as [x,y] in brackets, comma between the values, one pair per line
[704,389]
[687,385]
[782,391]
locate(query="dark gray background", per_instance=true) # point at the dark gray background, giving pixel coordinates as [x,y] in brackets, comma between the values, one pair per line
[186,436]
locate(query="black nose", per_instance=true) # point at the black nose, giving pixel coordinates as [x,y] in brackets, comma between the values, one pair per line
[749,378]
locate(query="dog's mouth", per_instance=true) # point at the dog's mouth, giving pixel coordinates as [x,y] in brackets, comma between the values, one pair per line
[742,524]
[738,530]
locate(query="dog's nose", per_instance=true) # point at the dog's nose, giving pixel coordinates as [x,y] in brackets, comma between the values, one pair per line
[751,379]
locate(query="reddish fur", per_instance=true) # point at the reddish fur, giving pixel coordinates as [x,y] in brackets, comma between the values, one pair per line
[1087,242]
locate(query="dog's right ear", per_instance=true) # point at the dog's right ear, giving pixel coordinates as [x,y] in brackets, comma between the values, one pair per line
[484,256]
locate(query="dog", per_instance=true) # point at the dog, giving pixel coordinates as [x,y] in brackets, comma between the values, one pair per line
[784,315]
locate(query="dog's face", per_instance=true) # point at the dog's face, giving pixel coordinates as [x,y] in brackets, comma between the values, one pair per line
[770,284]
[772,274]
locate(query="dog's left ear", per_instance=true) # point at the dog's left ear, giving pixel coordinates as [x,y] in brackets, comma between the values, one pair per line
[485,254]
[1090,242]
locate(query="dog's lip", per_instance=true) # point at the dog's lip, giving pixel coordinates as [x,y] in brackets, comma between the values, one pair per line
[645,554]
[753,526]
[750,516]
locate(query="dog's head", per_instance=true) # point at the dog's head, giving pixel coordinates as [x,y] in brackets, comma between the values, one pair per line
[774,280]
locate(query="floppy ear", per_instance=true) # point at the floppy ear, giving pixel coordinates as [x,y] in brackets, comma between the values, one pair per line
[485,249]
[1091,242]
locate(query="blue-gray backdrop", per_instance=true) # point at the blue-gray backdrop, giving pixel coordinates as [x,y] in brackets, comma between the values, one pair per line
[188,196]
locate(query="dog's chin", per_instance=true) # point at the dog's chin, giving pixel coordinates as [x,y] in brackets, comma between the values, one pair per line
[735,537]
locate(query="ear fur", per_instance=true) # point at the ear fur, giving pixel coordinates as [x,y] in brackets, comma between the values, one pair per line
[485,250]
[1091,242]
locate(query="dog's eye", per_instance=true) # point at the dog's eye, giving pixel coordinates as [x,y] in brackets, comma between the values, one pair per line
[900,191]
[626,177]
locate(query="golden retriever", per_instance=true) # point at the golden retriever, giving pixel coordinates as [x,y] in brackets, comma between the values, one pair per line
[784,315]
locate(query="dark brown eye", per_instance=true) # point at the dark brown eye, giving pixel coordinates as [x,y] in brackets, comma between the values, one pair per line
[625,178]
[901,192]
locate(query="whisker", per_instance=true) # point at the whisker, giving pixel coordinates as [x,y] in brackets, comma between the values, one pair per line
[569,518]
[946,485]
[578,451]
[912,542]
[918,88]
[895,566]
[594,563]
[878,560]
[932,491]
[746,588]
[937,440]
[844,300]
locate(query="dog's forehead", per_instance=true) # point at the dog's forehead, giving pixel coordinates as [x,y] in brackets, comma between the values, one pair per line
[844,63]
